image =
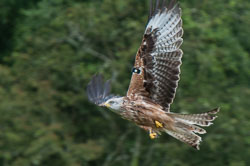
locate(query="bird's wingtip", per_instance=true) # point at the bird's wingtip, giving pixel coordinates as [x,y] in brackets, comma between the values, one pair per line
[98,91]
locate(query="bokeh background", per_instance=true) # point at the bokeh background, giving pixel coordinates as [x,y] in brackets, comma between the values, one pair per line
[50,49]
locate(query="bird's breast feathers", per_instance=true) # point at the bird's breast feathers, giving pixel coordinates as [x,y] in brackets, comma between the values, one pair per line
[143,111]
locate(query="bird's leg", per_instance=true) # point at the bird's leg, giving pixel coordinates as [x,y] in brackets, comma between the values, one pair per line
[158,124]
[152,134]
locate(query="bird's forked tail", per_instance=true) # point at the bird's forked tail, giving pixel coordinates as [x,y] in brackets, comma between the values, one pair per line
[186,126]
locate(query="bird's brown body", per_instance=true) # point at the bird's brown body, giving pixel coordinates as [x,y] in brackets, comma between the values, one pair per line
[144,113]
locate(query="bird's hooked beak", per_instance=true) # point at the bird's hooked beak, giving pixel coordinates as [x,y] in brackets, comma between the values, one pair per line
[105,105]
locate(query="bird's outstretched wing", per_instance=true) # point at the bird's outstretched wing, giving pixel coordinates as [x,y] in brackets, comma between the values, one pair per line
[98,91]
[156,70]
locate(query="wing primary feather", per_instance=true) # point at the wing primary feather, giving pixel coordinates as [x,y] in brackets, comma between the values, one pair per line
[98,87]
[157,6]
[153,8]
[172,4]
[150,9]
[106,88]
[101,86]
[97,91]
[163,5]
[93,85]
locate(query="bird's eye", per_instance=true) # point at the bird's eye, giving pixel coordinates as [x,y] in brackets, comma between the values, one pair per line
[111,102]
[136,70]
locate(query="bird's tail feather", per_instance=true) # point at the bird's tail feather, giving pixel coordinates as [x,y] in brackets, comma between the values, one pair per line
[186,137]
[186,125]
[202,119]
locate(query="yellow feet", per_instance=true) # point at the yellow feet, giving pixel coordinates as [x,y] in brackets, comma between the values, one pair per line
[152,134]
[158,124]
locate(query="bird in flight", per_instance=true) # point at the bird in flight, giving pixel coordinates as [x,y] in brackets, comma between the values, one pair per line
[155,77]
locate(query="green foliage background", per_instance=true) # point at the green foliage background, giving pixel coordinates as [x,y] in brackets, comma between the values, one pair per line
[50,49]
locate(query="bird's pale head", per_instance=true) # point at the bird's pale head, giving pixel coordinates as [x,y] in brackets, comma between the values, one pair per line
[114,103]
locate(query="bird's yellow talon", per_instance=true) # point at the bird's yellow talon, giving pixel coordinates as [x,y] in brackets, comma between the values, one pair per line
[153,135]
[158,124]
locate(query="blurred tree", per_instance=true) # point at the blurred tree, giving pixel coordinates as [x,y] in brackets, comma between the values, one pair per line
[58,45]
[9,14]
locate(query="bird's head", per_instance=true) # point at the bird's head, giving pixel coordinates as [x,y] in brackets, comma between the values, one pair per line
[114,103]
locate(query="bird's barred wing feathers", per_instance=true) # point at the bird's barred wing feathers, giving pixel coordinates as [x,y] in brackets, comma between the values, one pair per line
[157,64]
